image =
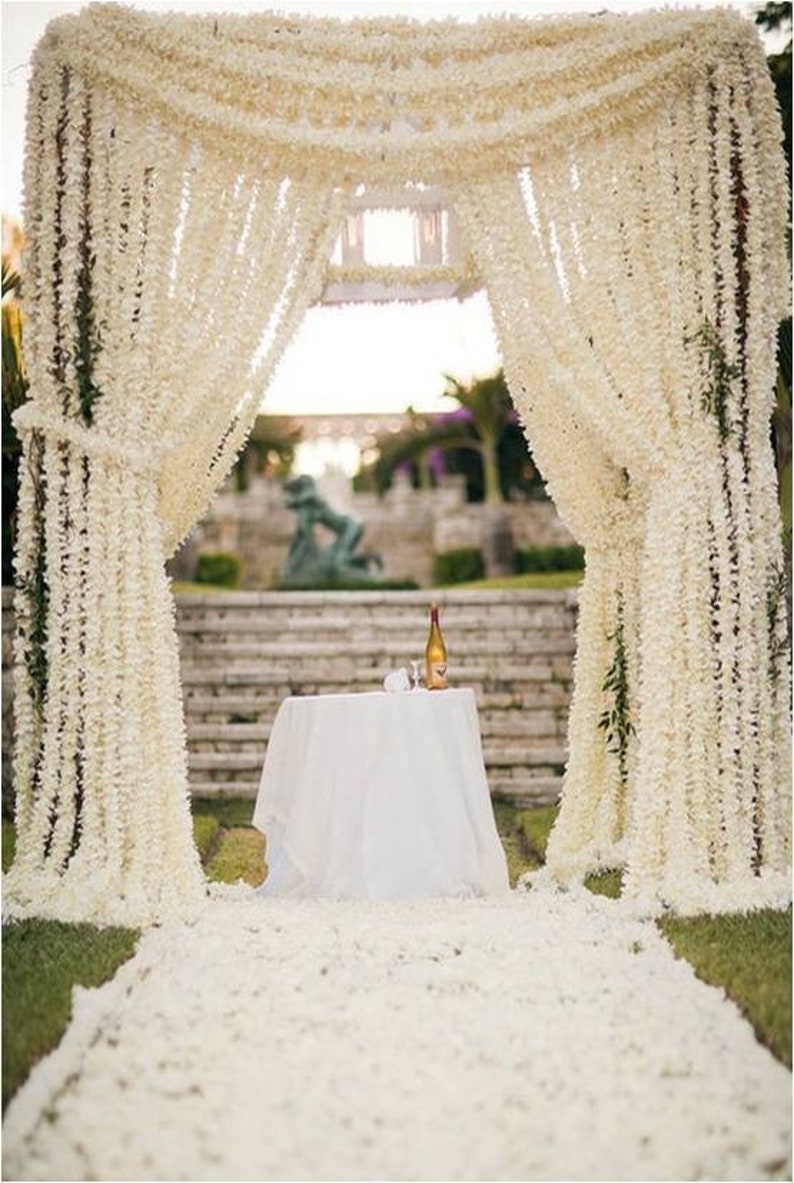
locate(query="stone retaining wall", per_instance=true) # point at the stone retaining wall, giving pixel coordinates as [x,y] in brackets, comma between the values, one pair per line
[408,527]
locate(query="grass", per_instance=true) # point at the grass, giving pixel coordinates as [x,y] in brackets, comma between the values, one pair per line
[240,855]
[537,580]
[8,844]
[229,811]
[749,956]
[532,580]
[524,833]
[207,836]
[42,961]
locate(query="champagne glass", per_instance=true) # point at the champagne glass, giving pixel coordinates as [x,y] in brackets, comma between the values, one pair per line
[415,674]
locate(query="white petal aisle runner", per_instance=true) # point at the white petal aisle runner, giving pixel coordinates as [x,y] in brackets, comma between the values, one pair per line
[534,1036]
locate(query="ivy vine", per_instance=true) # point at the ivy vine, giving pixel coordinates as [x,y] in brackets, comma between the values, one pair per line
[33,584]
[88,343]
[777,595]
[615,720]
[720,374]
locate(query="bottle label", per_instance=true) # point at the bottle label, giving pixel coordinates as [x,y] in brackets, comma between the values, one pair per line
[437,675]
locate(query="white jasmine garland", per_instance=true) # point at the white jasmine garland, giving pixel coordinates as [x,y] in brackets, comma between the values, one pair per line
[621,196]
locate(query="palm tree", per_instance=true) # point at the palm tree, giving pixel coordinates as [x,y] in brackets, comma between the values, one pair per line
[486,418]
[488,402]
[775,17]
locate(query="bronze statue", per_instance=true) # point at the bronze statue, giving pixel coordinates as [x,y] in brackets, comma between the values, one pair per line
[309,563]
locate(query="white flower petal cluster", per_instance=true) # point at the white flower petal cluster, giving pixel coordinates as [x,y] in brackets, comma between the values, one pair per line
[441,1039]
[620,188]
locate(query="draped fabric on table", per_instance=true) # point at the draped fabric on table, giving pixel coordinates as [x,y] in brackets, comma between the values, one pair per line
[620,184]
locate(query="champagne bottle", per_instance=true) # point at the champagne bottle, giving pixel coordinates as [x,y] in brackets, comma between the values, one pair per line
[435,655]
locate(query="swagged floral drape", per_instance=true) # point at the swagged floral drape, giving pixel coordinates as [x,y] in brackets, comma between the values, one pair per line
[620,184]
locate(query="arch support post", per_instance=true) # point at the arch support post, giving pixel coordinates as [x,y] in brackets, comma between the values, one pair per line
[101,767]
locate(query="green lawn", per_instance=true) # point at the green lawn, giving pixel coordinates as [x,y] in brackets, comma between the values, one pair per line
[42,961]
[532,580]
[748,956]
[538,580]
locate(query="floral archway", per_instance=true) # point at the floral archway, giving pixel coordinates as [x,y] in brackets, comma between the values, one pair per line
[620,185]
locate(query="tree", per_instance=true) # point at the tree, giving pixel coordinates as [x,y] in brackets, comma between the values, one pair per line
[270,447]
[489,404]
[482,439]
[775,17]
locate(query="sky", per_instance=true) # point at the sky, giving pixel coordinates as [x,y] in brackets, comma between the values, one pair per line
[362,358]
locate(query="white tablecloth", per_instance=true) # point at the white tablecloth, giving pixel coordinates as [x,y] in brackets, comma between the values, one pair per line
[379,796]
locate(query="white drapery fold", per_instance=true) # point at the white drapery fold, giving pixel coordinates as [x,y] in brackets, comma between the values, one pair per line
[165,279]
[620,184]
[637,296]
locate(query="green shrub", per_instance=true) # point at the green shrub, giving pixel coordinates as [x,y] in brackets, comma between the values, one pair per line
[458,566]
[549,558]
[220,568]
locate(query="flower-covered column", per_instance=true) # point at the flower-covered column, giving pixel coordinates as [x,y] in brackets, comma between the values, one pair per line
[548,373]
[637,302]
[164,279]
[101,773]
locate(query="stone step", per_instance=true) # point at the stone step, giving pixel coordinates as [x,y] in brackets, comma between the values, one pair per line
[224,788]
[247,701]
[351,675]
[373,650]
[242,653]
[227,732]
[335,603]
[524,757]
[524,791]
[517,725]
[525,624]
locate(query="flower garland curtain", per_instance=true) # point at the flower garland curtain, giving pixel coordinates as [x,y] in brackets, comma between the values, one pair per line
[644,368]
[621,187]
[164,278]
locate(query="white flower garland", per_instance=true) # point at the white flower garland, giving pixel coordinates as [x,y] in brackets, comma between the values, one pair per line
[620,187]
[464,276]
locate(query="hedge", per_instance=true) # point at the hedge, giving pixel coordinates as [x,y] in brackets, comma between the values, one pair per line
[458,566]
[549,558]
